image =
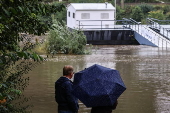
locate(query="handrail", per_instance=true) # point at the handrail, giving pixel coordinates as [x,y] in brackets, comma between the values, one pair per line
[138,23]
[159,20]
[155,33]
[136,26]
[157,27]
[101,23]
[166,32]
[152,23]
[158,35]
[133,22]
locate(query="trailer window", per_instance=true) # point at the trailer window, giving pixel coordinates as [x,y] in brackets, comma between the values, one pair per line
[73,15]
[104,15]
[69,14]
[85,15]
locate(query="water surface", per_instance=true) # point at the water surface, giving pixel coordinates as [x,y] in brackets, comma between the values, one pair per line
[145,71]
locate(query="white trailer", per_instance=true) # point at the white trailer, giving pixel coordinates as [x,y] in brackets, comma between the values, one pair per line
[90,15]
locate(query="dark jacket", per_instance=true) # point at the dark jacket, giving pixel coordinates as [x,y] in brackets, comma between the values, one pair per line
[104,109]
[63,96]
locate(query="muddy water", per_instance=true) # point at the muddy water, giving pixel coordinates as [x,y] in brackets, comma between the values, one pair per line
[145,71]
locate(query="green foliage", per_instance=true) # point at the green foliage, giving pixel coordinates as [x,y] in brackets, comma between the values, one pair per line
[145,1]
[27,12]
[62,40]
[157,15]
[62,15]
[157,7]
[146,8]
[16,17]
[12,83]
[120,13]
[128,11]
[168,16]
[137,14]
[166,9]
[41,48]
[86,1]
[158,12]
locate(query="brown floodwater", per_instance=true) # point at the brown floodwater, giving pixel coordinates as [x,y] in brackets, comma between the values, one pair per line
[145,71]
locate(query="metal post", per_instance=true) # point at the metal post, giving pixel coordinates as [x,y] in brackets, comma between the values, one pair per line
[79,24]
[115,11]
[101,24]
[158,42]
[138,27]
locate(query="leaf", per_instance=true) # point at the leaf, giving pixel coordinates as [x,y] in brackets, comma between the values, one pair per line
[18,92]
[44,10]
[0,87]
[11,0]
[1,96]
[1,62]
[35,56]
[20,9]
[4,85]
[7,13]
[41,58]
[25,55]
[9,97]
[20,54]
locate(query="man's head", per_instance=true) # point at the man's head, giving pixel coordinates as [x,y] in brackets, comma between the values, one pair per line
[68,71]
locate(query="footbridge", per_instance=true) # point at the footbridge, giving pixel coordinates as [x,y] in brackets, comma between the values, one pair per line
[152,34]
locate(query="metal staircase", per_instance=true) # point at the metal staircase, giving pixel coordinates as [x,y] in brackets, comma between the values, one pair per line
[152,34]
[159,26]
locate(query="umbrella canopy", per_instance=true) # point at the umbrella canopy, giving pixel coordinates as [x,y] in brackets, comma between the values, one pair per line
[98,86]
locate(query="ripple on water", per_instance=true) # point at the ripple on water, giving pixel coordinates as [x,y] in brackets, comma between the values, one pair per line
[145,71]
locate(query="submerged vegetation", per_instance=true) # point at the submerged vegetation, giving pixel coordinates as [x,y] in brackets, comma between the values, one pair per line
[63,40]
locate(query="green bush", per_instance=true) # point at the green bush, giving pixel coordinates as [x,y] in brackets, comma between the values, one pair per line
[166,9]
[63,40]
[86,1]
[137,14]
[157,7]
[128,11]
[18,17]
[120,13]
[157,15]
[168,16]
[146,8]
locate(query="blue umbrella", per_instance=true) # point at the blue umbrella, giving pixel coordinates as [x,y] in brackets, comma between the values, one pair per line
[98,86]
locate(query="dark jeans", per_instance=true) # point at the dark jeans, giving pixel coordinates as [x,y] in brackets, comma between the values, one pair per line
[62,111]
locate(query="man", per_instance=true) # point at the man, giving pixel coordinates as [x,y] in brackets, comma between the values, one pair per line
[67,103]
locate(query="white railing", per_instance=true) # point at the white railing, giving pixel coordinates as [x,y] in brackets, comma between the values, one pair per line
[150,35]
[99,24]
[159,27]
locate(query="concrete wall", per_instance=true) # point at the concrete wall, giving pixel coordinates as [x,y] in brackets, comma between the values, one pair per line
[111,37]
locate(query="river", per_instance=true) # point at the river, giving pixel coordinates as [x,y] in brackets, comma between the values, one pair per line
[145,71]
